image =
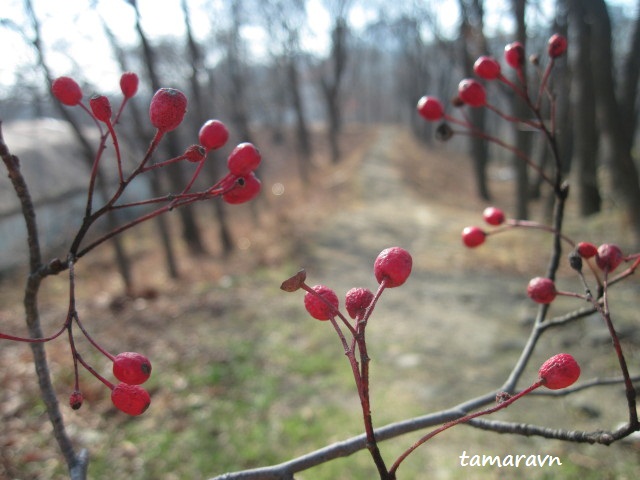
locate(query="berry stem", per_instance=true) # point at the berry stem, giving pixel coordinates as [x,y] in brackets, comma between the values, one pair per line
[513,223]
[509,118]
[629,388]
[516,89]
[193,179]
[466,418]
[164,163]
[544,84]
[14,338]
[93,372]
[116,146]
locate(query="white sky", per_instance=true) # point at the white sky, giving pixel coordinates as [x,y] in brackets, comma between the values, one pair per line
[73,26]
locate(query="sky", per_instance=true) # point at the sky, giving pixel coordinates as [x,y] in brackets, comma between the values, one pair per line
[75,34]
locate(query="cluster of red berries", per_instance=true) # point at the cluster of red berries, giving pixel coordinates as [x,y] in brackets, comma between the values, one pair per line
[391,269]
[475,236]
[167,110]
[132,369]
[608,257]
[472,93]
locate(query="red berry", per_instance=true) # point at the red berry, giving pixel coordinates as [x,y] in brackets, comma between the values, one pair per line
[131,367]
[357,300]
[167,109]
[586,249]
[557,46]
[67,91]
[473,236]
[101,108]
[213,134]
[608,257]
[472,92]
[246,188]
[493,216]
[195,153]
[559,371]
[430,108]
[76,399]
[393,264]
[541,290]
[487,68]
[243,159]
[319,308]
[129,84]
[130,399]
[514,55]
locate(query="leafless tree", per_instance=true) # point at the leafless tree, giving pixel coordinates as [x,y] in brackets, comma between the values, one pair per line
[138,126]
[190,230]
[199,93]
[586,131]
[331,80]
[617,105]
[285,20]
[473,44]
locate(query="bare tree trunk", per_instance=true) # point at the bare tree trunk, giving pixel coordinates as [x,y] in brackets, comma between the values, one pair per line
[586,132]
[238,83]
[213,169]
[141,133]
[190,230]
[76,462]
[302,130]
[522,138]
[617,115]
[331,84]
[472,34]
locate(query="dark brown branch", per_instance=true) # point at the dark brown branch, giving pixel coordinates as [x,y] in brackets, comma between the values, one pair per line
[77,463]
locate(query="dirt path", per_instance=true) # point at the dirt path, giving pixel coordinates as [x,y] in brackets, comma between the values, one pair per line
[440,299]
[451,332]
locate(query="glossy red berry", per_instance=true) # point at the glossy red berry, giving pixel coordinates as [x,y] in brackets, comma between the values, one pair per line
[560,371]
[67,91]
[243,159]
[130,399]
[75,400]
[319,308]
[514,55]
[101,108]
[129,84]
[393,264]
[493,216]
[473,236]
[131,367]
[608,257]
[472,93]
[586,249]
[430,108]
[246,188]
[542,290]
[557,46]
[213,134]
[167,109]
[487,68]
[357,300]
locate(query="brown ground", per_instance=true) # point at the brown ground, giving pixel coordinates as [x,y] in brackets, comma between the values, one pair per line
[451,333]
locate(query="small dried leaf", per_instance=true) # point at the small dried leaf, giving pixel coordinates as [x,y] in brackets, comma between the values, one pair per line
[294,283]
